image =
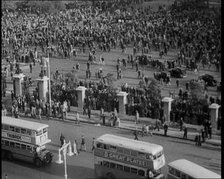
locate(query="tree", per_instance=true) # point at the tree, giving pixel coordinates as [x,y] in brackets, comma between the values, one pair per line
[196,89]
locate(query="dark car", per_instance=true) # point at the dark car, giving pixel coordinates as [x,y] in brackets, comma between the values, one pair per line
[160,75]
[178,73]
[209,80]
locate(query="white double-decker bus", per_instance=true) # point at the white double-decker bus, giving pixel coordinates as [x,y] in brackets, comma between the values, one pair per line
[120,157]
[25,140]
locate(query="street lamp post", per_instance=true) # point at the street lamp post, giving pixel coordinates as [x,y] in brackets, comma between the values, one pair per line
[66,149]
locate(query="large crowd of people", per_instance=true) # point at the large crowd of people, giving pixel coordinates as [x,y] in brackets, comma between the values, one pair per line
[194,32]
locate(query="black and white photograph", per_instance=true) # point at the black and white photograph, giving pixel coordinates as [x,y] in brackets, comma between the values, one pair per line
[111,89]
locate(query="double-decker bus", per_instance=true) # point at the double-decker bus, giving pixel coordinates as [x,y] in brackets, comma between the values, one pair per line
[25,140]
[120,157]
[185,169]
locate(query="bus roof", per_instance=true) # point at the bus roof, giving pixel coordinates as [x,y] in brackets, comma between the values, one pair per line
[192,169]
[130,144]
[23,123]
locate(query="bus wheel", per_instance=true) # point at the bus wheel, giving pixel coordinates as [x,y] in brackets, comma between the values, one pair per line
[9,156]
[110,175]
[37,162]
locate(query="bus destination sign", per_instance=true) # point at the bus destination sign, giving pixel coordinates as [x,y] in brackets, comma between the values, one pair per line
[16,137]
[124,158]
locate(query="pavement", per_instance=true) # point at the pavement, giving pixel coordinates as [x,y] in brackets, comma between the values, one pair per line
[128,123]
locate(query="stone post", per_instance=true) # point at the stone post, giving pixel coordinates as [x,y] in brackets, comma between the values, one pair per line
[81,96]
[122,99]
[43,88]
[17,84]
[167,107]
[214,109]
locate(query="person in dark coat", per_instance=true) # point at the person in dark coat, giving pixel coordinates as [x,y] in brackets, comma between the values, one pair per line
[136,135]
[165,129]
[185,133]
[62,138]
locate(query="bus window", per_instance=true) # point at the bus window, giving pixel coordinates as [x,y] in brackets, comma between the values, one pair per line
[127,169]
[119,167]
[29,147]
[7,143]
[190,177]
[134,153]
[112,165]
[140,154]
[6,127]
[113,148]
[149,157]
[12,144]
[126,151]
[134,170]
[23,131]
[28,131]
[99,145]
[3,126]
[183,176]
[11,128]
[105,164]
[171,171]
[3,141]
[39,132]
[23,146]
[44,130]
[33,133]
[177,173]
[17,145]
[17,129]
[105,146]
[141,172]
[120,150]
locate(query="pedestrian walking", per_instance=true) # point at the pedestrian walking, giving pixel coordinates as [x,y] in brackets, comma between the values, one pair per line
[199,140]
[157,124]
[62,139]
[185,133]
[177,83]
[203,135]
[196,140]
[209,129]
[77,118]
[137,117]
[75,148]
[165,126]
[89,112]
[93,144]
[83,144]
[136,135]
[31,67]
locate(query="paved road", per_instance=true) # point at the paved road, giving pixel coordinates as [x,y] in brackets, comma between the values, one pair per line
[82,166]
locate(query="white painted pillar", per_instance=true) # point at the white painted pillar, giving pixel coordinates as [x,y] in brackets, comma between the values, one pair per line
[122,99]
[214,109]
[43,88]
[17,84]
[167,107]
[81,96]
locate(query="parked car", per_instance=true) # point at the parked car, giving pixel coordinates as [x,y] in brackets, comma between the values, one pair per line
[177,73]
[209,80]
